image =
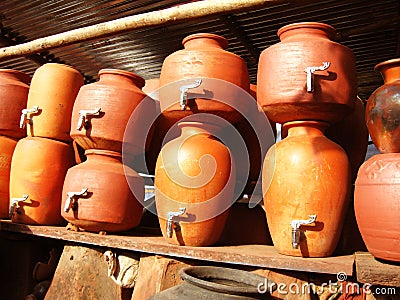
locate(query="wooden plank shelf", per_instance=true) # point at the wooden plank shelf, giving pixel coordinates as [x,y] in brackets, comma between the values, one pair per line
[249,255]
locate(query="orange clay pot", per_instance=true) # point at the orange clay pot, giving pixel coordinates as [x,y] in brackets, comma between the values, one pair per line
[287,92]
[308,175]
[204,56]
[14,88]
[7,146]
[50,100]
[38,170]
[382,113]
[108,203]
[194,181]
[109,104]
[376,204]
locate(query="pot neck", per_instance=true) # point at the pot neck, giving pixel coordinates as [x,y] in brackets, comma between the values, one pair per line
[309,128]
[306,30]
[15,75]
[105,155]
[389,70]
[194,128]
[204,41]
[121,77]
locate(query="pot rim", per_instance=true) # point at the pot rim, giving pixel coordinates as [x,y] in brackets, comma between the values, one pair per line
[22,76]
[387,64]
[198,275]
[103,152]
[330,30]
[221,40]
[139,80]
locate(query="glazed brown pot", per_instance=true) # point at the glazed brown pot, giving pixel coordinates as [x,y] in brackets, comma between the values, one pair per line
[108,104]
[306,175]
[204,57]
[285,90]
[194,186]
[50,100]
[14,88]
[7,146]
[96,194]
[383,108]
[376,203]
[37,175]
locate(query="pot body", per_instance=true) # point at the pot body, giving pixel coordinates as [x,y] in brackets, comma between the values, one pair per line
[376,203]
[7,146]
[206,282]
[110,103]
[194,173]
[383,109]
[14,88]
[53,91]
[204,56]
[38,170]
[287,92]
[108,204]
[306,174]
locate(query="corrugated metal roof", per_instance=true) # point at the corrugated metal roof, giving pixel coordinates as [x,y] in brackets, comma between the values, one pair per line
[143,51]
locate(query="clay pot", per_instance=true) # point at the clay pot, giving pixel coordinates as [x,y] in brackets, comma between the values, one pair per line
[96,194]
[50,100]
[37,175]
[306,177]
[287,92]
[223,76]
[194,182]
[102,111]
[206,282]
[383,108]
[7,146]
[376,203]
[14,88]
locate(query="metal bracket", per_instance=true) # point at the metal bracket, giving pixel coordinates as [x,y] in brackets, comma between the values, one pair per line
[170,217]
[296,232]
[310,71]
[184,89]
[14,204]
[84,115]
[24,115]
[71,196]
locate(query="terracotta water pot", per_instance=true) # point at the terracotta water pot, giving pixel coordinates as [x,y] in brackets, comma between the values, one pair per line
[203,58]
[307,76]
[194,182]
[383,108]
[50,101]
[7,146]
[376,203]
[102,111]
[38,169]
[306,185]
[96,194]
[206,282]
[14,88]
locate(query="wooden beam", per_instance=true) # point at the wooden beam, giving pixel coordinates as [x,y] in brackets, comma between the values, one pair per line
[163,17]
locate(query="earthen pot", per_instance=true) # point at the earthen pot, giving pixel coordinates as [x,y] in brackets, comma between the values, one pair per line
[14,88]
[194,186]
[102,111]
[307,76]
[383,108]
[376,203]
[306,185]
[37,175]
[7,146]
[96,194]
[203,58]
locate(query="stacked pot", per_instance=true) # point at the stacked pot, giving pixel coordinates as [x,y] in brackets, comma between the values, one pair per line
[104,192]
[377,187]
[14,88]
[41,160]
[306,82]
